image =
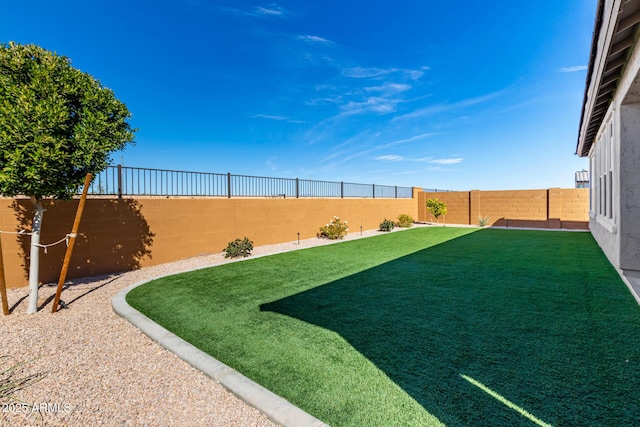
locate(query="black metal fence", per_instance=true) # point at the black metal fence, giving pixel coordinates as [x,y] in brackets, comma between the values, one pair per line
[130,181]
[436,190]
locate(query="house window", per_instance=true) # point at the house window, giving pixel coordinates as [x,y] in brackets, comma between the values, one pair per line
[601,162]
[592,189]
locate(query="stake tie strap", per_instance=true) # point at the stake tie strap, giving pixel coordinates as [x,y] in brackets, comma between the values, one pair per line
[64,239]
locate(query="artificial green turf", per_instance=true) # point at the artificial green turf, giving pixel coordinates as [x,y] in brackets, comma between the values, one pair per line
[380,331]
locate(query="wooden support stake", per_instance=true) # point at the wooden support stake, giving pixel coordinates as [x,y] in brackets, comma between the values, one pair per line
[72,241]
[3,284]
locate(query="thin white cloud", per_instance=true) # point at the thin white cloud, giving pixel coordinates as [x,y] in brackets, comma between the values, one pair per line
[385,102]
[333,156]
[273,10]
[390,157]
[389,88]
[415,74]
[268,116]
[315,39]
[395,158]
[373,104]
[440,108]
[271,163]
[573,69]
[374,72]
[405,140]
[381,98]
[325,87]
[277,118]
[447,161]
[325,101]
[361,150]
[365,73]
[365,135]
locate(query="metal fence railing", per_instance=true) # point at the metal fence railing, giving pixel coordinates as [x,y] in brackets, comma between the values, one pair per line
[131,181]
[436,190]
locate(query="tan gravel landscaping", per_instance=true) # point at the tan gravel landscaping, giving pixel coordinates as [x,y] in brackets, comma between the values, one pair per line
[101,370]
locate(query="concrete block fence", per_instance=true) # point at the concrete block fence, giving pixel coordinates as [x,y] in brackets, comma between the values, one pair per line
[555,208]
[121,234]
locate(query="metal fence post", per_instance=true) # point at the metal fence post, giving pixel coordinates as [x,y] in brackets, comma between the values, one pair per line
[119,181]
[396,191]
[342,189]
[297,188]
[374,191]
[229,185]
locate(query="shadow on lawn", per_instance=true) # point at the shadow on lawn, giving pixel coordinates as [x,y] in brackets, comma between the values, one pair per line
[540,318]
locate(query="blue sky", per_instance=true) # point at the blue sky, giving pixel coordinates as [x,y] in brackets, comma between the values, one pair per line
[463,95]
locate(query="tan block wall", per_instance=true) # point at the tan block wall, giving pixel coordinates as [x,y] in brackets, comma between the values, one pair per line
[119,235]
[574,204]
[501,207]
[125,234]
[553,208]
[457,207]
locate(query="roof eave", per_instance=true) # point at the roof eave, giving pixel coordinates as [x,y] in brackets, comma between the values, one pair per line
[592,59]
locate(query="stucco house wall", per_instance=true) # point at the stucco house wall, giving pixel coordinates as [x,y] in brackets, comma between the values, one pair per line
[614,154]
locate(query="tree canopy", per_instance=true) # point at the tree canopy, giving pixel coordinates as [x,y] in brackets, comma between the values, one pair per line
[57,123]
[436,207]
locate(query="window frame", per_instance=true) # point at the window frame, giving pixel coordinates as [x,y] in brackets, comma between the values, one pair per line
[601,162]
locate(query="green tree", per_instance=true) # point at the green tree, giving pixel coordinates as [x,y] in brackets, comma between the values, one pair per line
[436,207]
[56,125]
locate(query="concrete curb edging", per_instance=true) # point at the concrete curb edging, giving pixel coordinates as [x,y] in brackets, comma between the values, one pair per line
[276,408]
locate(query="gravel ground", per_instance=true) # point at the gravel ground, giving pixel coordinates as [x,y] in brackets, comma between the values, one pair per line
[101,370]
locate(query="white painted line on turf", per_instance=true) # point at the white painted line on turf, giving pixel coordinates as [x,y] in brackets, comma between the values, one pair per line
[508,403]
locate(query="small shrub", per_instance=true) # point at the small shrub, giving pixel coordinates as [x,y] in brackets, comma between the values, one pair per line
[405,221]
[387,225]
[335,229]
[238,248]
[12,378]
[483,221]
[436,207]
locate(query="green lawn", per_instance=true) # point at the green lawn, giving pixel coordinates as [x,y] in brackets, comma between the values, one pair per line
[433,325]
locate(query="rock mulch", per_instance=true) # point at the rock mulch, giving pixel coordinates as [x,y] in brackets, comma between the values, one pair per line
[101,370]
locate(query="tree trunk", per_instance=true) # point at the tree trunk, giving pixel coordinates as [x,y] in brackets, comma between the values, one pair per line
[34,258]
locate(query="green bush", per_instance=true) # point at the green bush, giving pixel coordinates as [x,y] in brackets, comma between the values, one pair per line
[238,248]
[483,221]
[436,207]
[335,229]
[387,225]
[405,221]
